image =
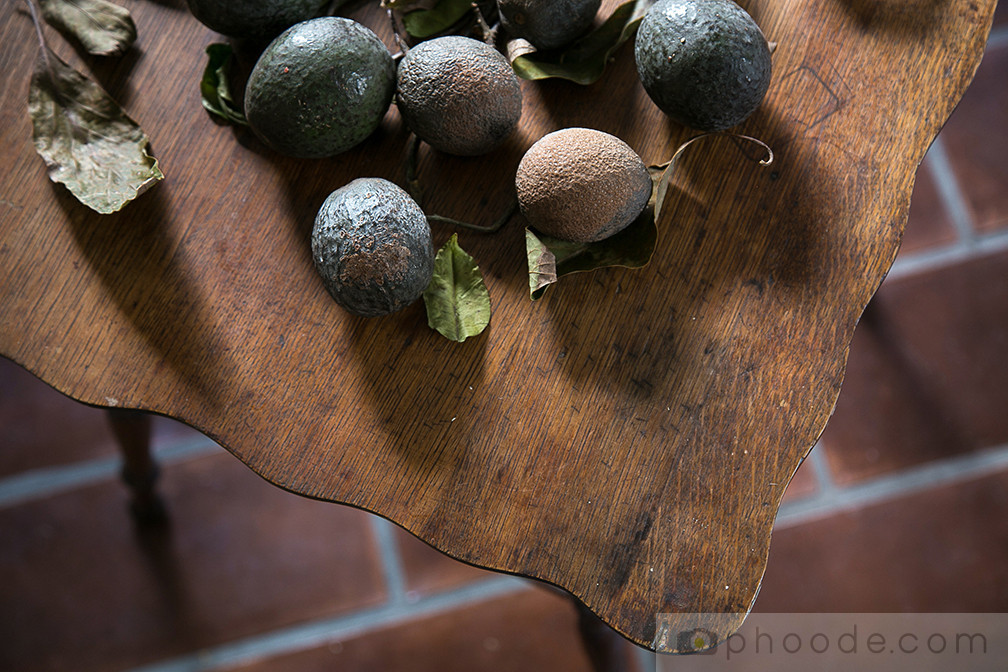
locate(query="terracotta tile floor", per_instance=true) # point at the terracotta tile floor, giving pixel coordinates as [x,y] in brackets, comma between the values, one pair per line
[901,507]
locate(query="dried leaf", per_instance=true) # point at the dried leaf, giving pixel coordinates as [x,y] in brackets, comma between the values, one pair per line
[215,88]
[102,28]
[584,60]
[458,304]
[541,264]
[549,259]
[87,141]
[424,23]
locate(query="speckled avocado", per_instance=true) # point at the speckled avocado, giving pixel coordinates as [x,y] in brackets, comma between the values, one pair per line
[253,19]
[581,185]
[458,95]
[705,63]
[371,244]
[548,24]
[321,87]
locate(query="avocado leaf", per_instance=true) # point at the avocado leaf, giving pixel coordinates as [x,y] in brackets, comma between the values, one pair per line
[583,61]
[87,141]
[424,23]
[549,259]
[457,300]
[102,28]
[215,89]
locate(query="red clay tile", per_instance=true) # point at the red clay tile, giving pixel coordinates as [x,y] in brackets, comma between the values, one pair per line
[929,224]
[531,630]
[976,140]
[429,571]
[926,374]
[44,428]
[803,484]
[941,550]
[83,591]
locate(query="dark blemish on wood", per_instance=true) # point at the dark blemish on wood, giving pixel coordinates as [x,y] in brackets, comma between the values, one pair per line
[757,284]
[621,558]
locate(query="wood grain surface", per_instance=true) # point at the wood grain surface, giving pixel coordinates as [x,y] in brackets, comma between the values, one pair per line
[629,436]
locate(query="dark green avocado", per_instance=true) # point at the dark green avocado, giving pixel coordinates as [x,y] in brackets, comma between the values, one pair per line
[253,19]
[371,244]
[548,24]
[321,87]
[705,63]
[459,95]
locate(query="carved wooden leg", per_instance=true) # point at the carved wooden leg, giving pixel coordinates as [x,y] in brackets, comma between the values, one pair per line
[132,431]
[602,643]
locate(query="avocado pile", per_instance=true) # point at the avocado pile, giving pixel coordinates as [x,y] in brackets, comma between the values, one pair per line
[324,84]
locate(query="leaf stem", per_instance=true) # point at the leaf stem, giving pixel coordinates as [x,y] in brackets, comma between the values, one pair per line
[763,162]
[38,30]
[496,226]
[414,189]
[412,176]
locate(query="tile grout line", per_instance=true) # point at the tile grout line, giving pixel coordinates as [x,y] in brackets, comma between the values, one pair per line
[950,192]
[46,482]
[330,630]
[890,487]
[998,37]
[820,468]
[391,560]
[939,258]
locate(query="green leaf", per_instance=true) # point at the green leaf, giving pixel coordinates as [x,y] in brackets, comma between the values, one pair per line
[407,5]
[102,28]
[85,138]
[215,88]
[584,60]
[549,259]
[423,23]
[458,304]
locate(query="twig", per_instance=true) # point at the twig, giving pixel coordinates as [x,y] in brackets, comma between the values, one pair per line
[416,192]
[496,226]
[489,34]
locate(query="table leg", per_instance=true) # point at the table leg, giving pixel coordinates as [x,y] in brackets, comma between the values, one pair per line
[132,430]
[601,643]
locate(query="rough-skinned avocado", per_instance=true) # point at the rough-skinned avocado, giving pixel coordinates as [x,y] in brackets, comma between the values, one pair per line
[705,63]
[458,95]
[581,185]
[321,87]
[371,244]
[253,19]
[548,24]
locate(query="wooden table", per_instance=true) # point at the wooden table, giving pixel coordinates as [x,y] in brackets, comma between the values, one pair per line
[628,437]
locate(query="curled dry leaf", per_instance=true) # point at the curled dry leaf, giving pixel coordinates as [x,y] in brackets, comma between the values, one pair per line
[102,28]
[583,61]
[458,304]
[85,138]
[215,87]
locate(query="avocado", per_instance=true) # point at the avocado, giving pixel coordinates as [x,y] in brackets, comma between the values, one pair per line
[581,185]
[458,95]
[548,24]
[705,63]
[371,244]
[251,19]
[321,87]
